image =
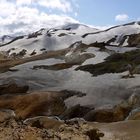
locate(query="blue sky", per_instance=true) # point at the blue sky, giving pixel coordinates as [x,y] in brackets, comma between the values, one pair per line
[103,12]
[23,16]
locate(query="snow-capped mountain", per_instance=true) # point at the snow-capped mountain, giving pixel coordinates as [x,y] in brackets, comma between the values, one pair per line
[62,37]
[5,39]
[67,57]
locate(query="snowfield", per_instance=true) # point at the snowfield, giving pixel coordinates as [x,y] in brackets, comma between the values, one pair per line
[107,89]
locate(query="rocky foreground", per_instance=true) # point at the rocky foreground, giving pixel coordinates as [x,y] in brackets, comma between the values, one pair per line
[43,115]
[20,116]
[48,130]
[43,128]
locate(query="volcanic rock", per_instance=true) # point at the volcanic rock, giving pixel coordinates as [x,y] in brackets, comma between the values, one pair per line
[117,113]
[43,122]
[6,114]
[34,104]
[76,111]
[12,88]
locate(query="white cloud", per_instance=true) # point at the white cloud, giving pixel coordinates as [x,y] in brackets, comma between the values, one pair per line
[23,2]
[122,17]
[20,17]
[22,23]
[6,8]
[63,5]
[23,16]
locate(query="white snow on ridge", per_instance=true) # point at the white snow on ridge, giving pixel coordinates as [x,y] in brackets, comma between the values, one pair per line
[80,29]
[72,33]
[28,44]
[5,39]
[107,35]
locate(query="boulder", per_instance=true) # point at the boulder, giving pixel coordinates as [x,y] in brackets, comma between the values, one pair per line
[76,111]
[101,115]
[117,113]
[134,100]
[78,132]
[43,122]
[121,111]
[6,114]
[134,114]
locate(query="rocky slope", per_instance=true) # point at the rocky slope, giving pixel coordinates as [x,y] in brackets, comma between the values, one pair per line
[68,73]
[44,128]
[17,130]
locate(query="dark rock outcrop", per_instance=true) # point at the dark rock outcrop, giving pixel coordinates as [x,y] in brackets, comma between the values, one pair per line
[70,93]
[76,111]
[115,63]
[13,88]
[134,40]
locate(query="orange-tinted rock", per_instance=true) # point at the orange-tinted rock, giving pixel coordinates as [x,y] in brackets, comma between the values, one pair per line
[134,114]
[117,113]
[34,104]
